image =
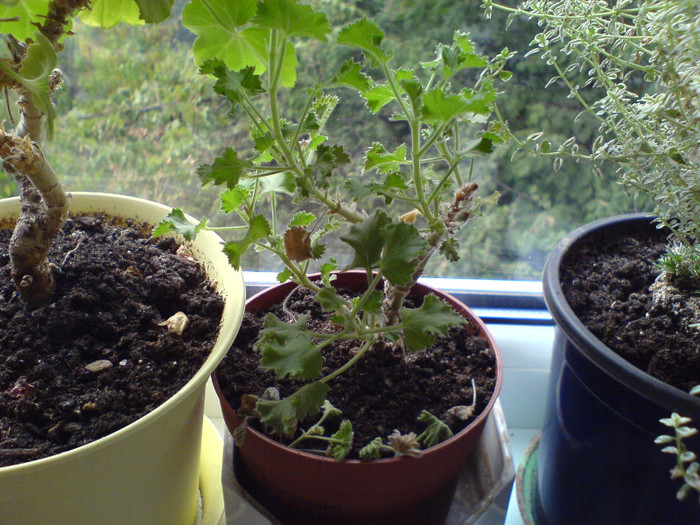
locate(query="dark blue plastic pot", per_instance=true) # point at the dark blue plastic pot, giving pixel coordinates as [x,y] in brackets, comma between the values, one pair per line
[598,463]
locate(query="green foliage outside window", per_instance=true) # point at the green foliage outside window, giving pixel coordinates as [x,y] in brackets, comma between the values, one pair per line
[137,118]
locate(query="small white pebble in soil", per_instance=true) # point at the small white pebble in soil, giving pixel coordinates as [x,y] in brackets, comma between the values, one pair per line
[98,366]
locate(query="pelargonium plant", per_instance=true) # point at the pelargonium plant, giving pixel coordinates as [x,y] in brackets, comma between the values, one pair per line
[428,181]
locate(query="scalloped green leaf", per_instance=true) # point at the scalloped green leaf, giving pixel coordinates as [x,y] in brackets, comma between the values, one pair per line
[177,222]
[29,12]
[226,169]
[352,76]
[403,244]
[436,432]
[292,18]
[341,445]
[422,325]
[108,13]
[258,228]
[33,74]
[377,157]
[367,240]
[367,36]
[282,415]
[154,11]
[220,26]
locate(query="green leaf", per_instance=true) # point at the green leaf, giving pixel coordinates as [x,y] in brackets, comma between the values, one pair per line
[367,240]
[33,74]
[176,222]
[234,85]
[292,19]
[352,76]
[422,325]
[328,158]
[219,26]
[226,169]
[288,350]
[232,199]
[439,107]
[283,415]
[29,12]
[367,36]
[154,11]
[326,271]
[108,13]
[341,445]
[302,218]
[258,228]
[377,157]
[437,431]
[372,302]
[372,450]
[403,245]
[329,299]
[449,248]
[285,275]
[378,96]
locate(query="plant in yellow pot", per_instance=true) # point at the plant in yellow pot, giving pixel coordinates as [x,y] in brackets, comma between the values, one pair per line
[107,337]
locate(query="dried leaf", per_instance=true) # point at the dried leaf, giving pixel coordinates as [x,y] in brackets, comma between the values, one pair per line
[176,323]
[297,243]
[405,445]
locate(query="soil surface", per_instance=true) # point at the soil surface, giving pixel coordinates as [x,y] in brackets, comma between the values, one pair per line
[96,359]
[381,392]
[610,286]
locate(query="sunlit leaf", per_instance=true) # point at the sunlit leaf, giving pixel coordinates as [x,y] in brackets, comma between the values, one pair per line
[226,169]
[292,18]
[108,13]
[177,222]
[367,36]
[34,73]
[29,12]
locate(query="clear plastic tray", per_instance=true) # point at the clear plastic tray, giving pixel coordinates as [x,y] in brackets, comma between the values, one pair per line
[481,497]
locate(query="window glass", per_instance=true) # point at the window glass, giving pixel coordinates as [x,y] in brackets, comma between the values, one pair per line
[137,118]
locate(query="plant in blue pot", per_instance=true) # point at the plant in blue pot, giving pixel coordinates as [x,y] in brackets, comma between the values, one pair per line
[623,291]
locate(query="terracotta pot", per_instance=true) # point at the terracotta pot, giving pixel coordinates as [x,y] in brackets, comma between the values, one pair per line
[597,460]
[147,473]
[302,488]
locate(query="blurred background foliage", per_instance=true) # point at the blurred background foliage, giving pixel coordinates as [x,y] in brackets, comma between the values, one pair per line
[137,118]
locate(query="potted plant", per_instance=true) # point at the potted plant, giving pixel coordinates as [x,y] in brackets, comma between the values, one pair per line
[623,291]
[105,355]
[363,324]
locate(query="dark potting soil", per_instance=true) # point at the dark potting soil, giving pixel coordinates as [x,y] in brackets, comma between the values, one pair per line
[608,286]
[114,286]
[379,393]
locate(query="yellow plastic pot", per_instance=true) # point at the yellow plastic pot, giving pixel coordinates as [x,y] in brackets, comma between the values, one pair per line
[148,472]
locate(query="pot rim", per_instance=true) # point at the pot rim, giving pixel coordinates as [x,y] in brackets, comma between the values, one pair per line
[588,344]
[233,313]
[478,422]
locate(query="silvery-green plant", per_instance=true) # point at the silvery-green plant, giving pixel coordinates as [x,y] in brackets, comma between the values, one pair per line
[687,467]
[634,66]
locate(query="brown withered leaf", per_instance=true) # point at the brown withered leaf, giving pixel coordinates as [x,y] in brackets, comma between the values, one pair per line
[405,444]
[297,243]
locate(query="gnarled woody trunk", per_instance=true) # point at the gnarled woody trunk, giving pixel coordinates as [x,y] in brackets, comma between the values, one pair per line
[43,212]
